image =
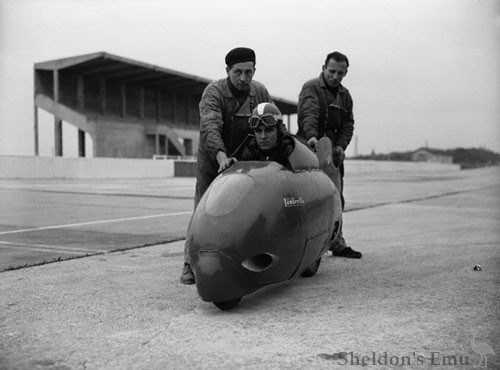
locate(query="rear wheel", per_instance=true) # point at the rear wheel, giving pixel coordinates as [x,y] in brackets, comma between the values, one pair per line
[228,305]
[311,270]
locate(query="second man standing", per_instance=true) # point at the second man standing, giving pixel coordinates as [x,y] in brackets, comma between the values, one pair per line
[325,109]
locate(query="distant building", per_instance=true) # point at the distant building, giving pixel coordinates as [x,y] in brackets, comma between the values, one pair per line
[431,155]
[128,108]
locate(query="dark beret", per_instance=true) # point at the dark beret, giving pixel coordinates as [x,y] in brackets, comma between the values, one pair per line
[240,55]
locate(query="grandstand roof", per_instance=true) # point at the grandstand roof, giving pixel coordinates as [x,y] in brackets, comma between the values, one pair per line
[111,66]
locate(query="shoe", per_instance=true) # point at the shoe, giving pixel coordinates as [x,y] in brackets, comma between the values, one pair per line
[347,252]
[187,276]
[338,243]
[311,270]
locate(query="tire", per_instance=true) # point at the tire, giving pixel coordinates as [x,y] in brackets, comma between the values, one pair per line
[228,305]
[311,270]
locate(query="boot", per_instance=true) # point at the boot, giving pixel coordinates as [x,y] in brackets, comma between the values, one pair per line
[187,276]
[339,248]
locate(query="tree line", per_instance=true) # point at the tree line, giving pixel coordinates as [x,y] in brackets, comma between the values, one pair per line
[465,157]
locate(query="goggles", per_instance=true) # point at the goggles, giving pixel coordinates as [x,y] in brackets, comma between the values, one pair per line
[267,120]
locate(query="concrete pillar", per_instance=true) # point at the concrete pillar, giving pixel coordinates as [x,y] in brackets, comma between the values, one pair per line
[81,143]
[158,118]
[157,142]
[80,101]
[35,116]
[58,138]
[55,79]
[95,152]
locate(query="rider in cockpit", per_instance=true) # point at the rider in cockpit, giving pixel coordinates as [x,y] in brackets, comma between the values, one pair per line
[269,139]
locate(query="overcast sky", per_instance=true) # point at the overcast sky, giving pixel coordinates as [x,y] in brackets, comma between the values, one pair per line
[422,72]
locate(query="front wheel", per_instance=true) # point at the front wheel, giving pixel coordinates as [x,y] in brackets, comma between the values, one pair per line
[311,270]
[228,305]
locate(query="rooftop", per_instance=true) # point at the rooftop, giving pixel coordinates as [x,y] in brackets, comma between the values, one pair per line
[111,66]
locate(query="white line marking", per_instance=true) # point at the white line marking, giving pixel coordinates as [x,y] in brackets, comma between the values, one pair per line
[81,250]
[94,223]
[48,248]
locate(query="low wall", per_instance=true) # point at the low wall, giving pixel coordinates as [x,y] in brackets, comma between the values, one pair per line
[185,169]
[57,167]
[365,166]
[188,168]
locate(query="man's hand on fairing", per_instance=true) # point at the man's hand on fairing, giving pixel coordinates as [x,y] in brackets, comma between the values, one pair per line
[338,155]
[224,162]
[313,143]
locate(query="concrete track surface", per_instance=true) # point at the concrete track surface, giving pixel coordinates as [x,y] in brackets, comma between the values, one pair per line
[43,221]
[413,301]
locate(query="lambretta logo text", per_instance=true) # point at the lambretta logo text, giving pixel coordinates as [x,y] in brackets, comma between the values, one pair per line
[293,202]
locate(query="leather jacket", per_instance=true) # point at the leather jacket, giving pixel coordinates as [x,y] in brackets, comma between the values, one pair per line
[223,122]
[320,114]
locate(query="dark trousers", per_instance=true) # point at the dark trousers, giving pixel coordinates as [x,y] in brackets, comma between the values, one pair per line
[205,175]
[340,243]
[341,190]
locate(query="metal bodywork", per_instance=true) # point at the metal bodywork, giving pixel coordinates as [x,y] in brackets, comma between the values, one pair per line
[260,223]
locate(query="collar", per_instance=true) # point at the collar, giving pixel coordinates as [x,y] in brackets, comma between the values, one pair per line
[322,84]
[226,91]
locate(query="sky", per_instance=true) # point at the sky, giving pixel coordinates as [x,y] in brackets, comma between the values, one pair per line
[422,73]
